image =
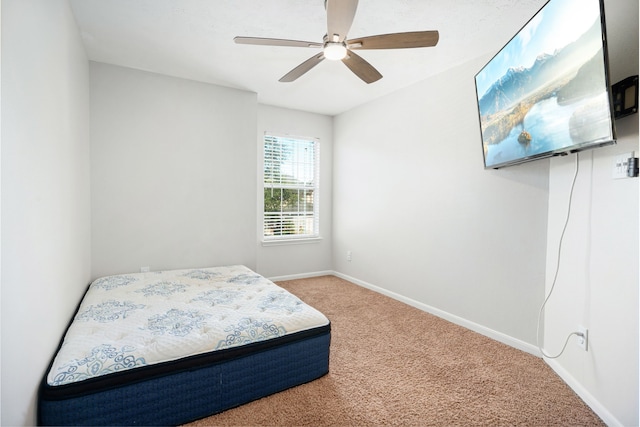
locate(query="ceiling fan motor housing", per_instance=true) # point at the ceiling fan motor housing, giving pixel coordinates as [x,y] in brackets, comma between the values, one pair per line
[334,49]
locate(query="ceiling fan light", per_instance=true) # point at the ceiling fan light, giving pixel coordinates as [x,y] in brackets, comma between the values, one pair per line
[335,51]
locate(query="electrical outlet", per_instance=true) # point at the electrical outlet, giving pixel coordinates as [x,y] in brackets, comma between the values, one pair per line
[144,269]
[583,341]
[620,165]
[349,256]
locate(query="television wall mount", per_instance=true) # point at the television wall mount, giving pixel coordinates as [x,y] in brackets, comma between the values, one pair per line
[625,97]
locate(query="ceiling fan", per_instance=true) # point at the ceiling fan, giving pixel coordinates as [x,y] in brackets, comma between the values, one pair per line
[335,46]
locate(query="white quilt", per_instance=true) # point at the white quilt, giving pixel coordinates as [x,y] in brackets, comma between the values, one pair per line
[141,319]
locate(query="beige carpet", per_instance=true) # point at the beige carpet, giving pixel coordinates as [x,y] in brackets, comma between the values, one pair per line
[392,364]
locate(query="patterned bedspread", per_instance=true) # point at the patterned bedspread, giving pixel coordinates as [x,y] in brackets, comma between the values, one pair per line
[139,319]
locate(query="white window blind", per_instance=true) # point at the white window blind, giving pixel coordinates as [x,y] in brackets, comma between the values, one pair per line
[291,196]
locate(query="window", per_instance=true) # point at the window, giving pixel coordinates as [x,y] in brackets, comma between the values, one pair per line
[291,167]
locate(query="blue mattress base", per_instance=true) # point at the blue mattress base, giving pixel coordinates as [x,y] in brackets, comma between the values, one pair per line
[188,395]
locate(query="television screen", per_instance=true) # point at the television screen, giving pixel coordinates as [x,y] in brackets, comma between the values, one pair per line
[547,91]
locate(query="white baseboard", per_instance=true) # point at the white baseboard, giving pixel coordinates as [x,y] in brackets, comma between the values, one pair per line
[498,336]
[301,276]
[606,416]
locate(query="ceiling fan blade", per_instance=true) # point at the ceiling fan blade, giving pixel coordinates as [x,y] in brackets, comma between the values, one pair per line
[396,40]
[340,14]
[275,42]
[361,68]
[302,68]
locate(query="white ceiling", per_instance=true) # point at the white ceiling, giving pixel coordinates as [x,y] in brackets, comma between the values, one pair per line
[193,39]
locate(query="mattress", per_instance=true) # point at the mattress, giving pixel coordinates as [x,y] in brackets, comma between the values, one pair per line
[168,347]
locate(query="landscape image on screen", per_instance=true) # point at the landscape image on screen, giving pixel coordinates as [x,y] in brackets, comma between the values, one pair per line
[547,90]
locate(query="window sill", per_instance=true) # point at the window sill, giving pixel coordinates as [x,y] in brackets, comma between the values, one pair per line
[301,241]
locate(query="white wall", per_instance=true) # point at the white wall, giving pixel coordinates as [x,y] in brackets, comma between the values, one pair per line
[45,192]
[173,172]
[295,259]
[598,280]
[425,221]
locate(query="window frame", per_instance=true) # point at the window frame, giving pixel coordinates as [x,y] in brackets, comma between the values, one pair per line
[280,239]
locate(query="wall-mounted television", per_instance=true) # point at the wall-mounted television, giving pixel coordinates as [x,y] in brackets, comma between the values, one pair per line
[547,91]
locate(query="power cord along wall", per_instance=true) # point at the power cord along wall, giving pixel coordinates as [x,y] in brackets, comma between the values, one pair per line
[582,334]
